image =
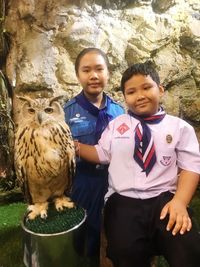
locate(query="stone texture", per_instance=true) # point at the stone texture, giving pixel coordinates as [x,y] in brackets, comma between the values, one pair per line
[161,6]
[47,36]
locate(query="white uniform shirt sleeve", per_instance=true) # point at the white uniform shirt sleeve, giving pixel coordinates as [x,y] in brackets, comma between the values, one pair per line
[104,145]
[188,150]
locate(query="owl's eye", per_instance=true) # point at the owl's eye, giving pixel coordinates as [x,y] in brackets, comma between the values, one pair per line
[48,110]
[31,110]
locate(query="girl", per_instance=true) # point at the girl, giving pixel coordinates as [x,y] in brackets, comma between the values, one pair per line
[87,115]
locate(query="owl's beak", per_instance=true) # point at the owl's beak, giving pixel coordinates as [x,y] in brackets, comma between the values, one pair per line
[40,118]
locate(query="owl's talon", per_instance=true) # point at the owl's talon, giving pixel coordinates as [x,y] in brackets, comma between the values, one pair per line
[38,209]
[27,219]
[63,202]
[30,208]
[59,210]
[43,216]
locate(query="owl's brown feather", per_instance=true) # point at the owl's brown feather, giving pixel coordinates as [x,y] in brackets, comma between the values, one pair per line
[44,151]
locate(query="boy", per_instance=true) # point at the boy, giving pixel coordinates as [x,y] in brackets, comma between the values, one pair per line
[146,149]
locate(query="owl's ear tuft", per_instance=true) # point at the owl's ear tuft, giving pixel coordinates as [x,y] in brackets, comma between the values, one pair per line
[26,99]
[56,99]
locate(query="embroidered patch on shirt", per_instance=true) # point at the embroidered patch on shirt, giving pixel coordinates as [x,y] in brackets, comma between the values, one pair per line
[77,119]
[169,138]
[166,161]
[123,128]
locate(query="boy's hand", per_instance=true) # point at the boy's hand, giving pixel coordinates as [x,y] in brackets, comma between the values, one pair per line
[179,220]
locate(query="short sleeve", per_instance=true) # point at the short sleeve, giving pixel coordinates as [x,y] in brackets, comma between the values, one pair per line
[104,145]
[188,154]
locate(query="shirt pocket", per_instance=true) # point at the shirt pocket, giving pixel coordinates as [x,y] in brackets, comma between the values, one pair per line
[81,127]
[167,157]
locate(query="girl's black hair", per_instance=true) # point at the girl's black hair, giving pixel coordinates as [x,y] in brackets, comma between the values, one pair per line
[87,50]
[145,68]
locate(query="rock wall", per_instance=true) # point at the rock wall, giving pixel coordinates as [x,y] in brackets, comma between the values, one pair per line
[47,36]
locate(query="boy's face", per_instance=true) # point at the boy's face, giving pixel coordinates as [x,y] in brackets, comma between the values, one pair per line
[142,95]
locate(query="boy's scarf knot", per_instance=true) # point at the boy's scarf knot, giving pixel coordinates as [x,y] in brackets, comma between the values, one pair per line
[102,116]
[144,152]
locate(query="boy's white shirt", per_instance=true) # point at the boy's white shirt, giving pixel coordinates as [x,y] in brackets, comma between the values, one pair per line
[176,147]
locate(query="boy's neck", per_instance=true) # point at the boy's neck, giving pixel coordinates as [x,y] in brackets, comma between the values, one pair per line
[147,115]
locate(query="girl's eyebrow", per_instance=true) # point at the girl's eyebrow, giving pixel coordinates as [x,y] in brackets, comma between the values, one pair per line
[85,66]
[88,66]
[130,88]
[100,65]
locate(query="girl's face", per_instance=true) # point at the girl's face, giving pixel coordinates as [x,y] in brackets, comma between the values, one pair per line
[142,95]
[93,74]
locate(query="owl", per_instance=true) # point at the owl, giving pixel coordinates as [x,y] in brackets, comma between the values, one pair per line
[44,155]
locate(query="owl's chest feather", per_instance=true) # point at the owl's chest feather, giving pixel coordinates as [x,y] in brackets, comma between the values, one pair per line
[43,148]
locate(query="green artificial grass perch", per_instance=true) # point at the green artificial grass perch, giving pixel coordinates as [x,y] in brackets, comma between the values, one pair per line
[54,241]
[56,222]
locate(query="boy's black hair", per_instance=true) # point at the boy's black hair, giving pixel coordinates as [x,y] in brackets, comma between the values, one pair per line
[145,68]
[87,50]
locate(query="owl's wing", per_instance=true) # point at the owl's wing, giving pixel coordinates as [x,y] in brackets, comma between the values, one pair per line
[69,153]
[72,165]
[22,180]
[20,162]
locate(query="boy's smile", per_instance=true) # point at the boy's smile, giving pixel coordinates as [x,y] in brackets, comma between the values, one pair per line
[142,95]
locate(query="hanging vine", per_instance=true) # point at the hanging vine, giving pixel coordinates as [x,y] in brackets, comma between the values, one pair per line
[6,124]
